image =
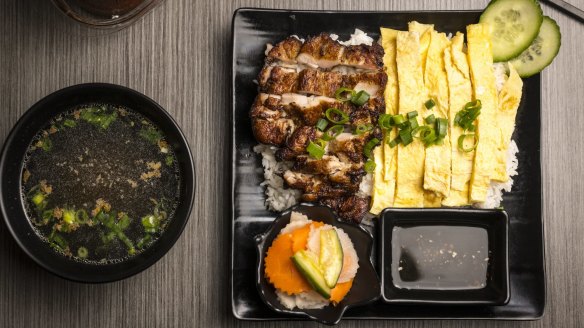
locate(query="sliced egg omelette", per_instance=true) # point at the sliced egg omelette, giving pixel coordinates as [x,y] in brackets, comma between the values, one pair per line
[412,94]
[460,90]
[385,156]
[438,157]
[423,64]
[480,58]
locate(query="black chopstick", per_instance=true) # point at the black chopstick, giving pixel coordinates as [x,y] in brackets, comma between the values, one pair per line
[567,8]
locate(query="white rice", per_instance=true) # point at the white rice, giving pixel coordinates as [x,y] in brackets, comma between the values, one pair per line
[306,300]
[495,192]
[357,38]
[278,198]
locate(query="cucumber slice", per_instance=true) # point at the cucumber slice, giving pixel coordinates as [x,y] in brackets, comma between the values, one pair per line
[331,256]
[541,52]
[514,23]
[311,272]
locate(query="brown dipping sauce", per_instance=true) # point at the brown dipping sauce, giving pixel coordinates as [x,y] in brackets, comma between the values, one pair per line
[108,7]
[440,257]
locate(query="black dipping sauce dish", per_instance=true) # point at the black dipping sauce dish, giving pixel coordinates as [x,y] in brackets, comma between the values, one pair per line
[444,256]
[14,208]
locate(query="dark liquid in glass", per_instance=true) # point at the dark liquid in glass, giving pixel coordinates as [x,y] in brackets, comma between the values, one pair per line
[108,7]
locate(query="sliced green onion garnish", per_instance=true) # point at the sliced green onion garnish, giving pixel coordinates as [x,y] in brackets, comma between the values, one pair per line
[82,252]
[473,105]
[420,131]
[413,123]
[461,146]
[398,119]
[412,114]
[430,119]
[333,113]
[369,166]
[429,137]
[384,121]
[340,91]
[360,98]
[369,147]
[332,132]
[81,216]
[430,103]
[315,150]
[321,124]
[405,136]
[362,128]
[394,142]
[441,127]
[466,117]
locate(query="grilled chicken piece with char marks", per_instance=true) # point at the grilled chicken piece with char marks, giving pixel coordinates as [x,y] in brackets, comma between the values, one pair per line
[296,144]
[349,146]
[323,52]
[364,57]
[279,80]
[315,187]
[350,208]
[335,170]
[311,108]
[270,124]
[285,51]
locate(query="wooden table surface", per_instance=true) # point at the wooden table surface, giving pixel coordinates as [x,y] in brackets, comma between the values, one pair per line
[179,56]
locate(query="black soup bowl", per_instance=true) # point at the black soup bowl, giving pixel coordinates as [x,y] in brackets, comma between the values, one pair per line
[12,204]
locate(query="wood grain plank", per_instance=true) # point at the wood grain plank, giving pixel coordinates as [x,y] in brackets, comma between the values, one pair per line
[179,56]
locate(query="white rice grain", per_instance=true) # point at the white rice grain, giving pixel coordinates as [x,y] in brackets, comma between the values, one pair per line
[278,198]
[357,38]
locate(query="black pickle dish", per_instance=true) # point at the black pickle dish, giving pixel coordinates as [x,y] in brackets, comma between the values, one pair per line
[366,285]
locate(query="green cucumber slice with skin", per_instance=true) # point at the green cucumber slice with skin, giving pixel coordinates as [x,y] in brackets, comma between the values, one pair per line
[542,50]
[331,256]
[514,23]
[311,272]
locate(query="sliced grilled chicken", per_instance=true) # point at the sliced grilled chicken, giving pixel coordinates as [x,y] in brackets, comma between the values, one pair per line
[350,208]
[323,52]
[332,167]
[298,86]
[279,80]
[296,144]
[315,187]
[285,51]
[307,110]
[270,124]
[351,146]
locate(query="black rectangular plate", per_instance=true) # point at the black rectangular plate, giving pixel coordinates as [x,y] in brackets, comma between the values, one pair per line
[252,30]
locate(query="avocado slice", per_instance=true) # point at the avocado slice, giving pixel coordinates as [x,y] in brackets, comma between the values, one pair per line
[331,256]
[311,272]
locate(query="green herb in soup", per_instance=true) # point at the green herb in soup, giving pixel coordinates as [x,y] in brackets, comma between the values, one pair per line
[101,183]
